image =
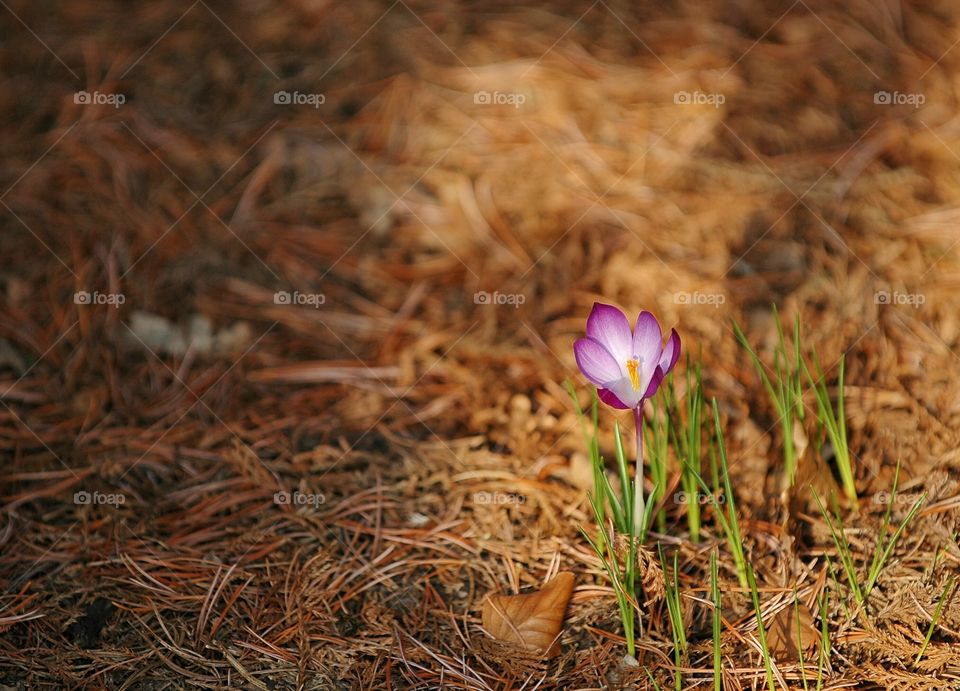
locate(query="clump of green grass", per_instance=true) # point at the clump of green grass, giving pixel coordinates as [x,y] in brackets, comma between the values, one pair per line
[685,435]
[833,420]
[881,552]
[621,572]
[786,392]
[727,517]
[622,577]
[725,513]
[675,613]
[785,389]
[657,433]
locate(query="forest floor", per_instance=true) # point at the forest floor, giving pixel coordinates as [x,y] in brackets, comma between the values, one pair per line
[288,298]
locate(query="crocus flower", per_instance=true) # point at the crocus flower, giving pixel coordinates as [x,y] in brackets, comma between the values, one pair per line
[626,367]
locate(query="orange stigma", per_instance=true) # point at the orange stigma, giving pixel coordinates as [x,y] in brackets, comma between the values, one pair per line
[633,369]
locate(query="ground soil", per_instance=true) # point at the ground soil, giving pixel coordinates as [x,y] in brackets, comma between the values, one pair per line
[284,330]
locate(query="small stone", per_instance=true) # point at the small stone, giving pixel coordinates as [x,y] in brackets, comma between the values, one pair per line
[417,520]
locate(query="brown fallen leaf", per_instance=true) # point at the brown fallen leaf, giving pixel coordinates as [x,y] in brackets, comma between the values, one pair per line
[531,620]
[785,637]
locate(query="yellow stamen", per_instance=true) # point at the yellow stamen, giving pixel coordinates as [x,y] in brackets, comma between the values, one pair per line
[633,369]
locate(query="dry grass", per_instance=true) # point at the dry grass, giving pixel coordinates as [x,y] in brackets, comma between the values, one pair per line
[400,400]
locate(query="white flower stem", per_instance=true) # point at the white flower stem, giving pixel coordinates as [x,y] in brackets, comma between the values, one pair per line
[638,501]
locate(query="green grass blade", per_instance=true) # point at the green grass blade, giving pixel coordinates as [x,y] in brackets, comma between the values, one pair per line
[624,597]
[758,366]
[675,614]
[626,489]
[717,615]
[803,664]
[936,618]
[843,551]
[824,656]
[761,631]
[875,572]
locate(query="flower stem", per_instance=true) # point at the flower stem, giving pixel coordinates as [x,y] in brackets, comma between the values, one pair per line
[638,502]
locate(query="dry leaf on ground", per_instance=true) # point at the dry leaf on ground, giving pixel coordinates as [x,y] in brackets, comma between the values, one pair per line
[532,620]
[786,635]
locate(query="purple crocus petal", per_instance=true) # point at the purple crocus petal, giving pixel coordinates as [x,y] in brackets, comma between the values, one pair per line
[654,382]
[610,398]
[647,340]
[625,393]
[595,361]
[671,352]
[610,327]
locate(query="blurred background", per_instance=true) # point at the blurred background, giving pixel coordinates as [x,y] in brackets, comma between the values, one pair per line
[285,285]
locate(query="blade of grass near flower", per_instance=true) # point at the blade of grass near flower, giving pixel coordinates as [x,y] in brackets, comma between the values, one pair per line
[601,483]
[717,615]
[690,448]
[625,522]
[675,613]
[657,434]
[685,437]
[623,591]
